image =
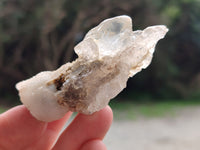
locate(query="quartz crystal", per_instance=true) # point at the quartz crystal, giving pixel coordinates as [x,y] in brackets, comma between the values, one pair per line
[109,54]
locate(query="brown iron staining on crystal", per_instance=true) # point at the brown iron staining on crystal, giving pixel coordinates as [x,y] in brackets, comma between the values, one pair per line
[72,97]
[74,93]
[59,81]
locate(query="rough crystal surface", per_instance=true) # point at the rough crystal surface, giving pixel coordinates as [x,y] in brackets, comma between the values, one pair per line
[109,54]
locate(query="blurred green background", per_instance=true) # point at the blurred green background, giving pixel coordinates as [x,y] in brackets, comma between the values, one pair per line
[37,35]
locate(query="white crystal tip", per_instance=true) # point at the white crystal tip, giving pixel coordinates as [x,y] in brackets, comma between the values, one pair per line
[161,29]
[118,24]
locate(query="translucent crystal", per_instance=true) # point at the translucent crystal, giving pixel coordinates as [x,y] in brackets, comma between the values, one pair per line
[109,54]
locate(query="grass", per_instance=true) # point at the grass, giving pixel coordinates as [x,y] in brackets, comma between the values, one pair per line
[2,109]
[131,110]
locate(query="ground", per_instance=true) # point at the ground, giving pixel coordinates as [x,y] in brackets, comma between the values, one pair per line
[173,132]
[161,126]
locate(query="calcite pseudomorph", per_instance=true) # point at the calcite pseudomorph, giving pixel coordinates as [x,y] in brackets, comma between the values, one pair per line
[109,54]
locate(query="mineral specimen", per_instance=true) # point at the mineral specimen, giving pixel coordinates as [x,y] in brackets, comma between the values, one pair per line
[109,54]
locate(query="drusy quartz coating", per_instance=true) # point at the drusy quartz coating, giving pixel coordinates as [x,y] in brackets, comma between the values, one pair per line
[109,54]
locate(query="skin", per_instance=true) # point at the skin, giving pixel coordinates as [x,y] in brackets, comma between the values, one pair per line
[20,131]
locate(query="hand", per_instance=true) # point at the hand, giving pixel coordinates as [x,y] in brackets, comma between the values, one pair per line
[20,131]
